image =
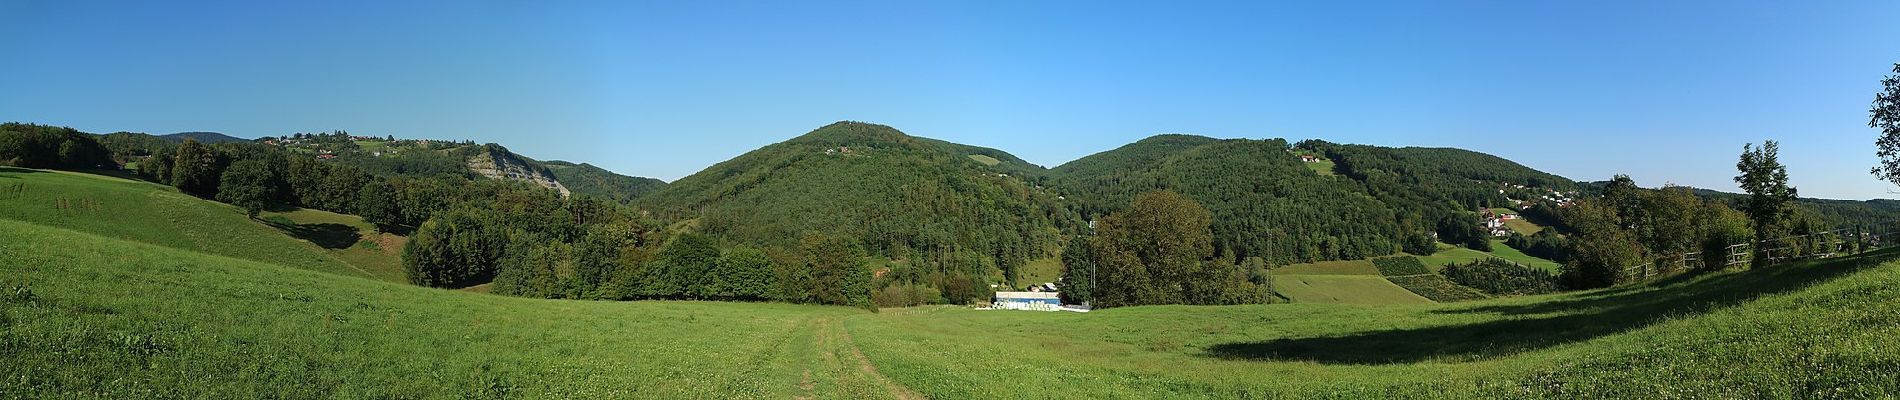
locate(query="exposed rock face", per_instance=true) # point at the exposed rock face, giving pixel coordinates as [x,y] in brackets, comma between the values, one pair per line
[503,165]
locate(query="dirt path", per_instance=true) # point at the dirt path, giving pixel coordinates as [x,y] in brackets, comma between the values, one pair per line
[864,365]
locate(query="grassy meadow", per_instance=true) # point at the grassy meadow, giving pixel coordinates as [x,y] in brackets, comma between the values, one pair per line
[147,308]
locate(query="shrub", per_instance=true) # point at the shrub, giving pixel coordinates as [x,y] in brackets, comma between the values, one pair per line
[1502,277]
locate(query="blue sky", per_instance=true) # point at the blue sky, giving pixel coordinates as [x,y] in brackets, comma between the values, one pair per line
[1666,92]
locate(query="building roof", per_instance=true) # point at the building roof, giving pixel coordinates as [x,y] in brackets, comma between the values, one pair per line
[1027,295]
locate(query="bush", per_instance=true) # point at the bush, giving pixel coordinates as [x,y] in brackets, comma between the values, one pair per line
[1436,287]
[1502,277]
[906,295]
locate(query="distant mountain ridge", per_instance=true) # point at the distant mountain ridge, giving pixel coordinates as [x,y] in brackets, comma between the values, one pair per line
[203,137]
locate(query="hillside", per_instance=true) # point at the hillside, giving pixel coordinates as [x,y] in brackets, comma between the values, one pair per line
[203,137]
[158,215]
[898,195]
[167,317]
[1268,203]
[588,179]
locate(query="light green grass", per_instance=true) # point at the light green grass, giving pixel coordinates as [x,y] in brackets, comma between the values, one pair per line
[1508,253]
[1523,227]
[1040,271]
[151,213]
[1350,289]
[1348,267]
[1323,167]
[1448,255]
[372,145]
[1800,331]
[133,320]
[985,160]
[379,254]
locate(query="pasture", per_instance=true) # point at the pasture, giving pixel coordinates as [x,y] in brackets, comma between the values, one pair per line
[120,290]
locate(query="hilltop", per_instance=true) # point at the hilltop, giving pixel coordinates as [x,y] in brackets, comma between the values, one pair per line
[958,208]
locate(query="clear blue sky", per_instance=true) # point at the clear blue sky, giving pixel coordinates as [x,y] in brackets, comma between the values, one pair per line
[1666,91]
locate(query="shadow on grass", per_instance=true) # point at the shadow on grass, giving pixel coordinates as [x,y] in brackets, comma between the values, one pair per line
[1576,319]
[325,235]
[15,170]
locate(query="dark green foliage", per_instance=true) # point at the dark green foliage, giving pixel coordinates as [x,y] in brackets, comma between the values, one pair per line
[196,169]
[157,167]
[1500,277]
[534,266]
[743,273]
[1158,251]
[131,146]
[891,194]
[1420,244]
[1400,266]
[1884,114]
[455,249]
[1602,249]
[1264,202]
[376,202]
[251,185]
[586,179]
[1436,287]
[1545,244]
[1462,229]
[42,146]
[203,137]
[1766,182]
[683,267]
[1078,272]
[340,189]
[839,273]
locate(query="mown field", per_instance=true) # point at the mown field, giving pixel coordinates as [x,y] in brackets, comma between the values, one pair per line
[155,214]
[97,312]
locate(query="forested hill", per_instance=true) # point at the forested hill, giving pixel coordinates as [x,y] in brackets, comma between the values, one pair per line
[898,195]
[1350,202]
[203,137]
[588,179]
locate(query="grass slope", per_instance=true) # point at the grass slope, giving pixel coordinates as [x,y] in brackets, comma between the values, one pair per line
[346,237]
[155,214]
[1349,289]
[1795,331]
[127,319]
[133,320]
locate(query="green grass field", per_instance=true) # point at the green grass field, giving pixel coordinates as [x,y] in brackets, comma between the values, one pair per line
[94,311]
[985,160]
[1448,255]
[1349,289]
[1500,250]
[346,237]
[1346,267]
[156,214]
[1040,271]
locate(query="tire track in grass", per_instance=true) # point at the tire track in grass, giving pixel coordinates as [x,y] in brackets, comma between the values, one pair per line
[864,365]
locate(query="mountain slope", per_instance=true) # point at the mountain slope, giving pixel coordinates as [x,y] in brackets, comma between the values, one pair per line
[588,179]
[1268,204]
[898,195]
